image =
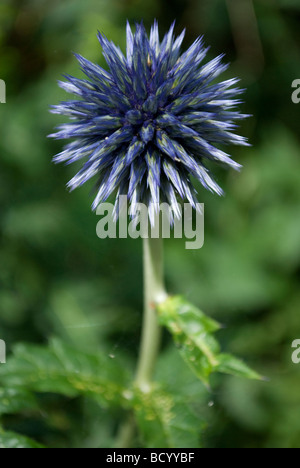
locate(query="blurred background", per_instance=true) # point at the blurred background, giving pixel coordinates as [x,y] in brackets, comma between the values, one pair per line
[58,279]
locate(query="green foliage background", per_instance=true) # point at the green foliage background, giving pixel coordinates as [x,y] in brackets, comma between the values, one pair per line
[57,280]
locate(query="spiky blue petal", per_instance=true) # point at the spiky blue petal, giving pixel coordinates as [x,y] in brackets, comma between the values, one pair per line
[151,121]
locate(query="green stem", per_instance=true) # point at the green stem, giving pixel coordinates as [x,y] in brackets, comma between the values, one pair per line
[154,292]
[126,433]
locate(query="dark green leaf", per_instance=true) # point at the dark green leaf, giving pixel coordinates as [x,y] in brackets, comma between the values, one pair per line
[62,369]
[14,400]
[15,441]
[165,421]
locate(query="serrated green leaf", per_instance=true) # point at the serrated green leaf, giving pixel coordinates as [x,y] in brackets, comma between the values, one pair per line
[16,441]
[176,310]
[62,369]
[14,400]
[229,364]
[165,421]
[193,333]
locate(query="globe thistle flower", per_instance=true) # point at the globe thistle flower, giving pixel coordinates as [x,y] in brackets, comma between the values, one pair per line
[151,122]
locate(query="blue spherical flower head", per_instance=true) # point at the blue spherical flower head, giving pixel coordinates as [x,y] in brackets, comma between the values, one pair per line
[151,122]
